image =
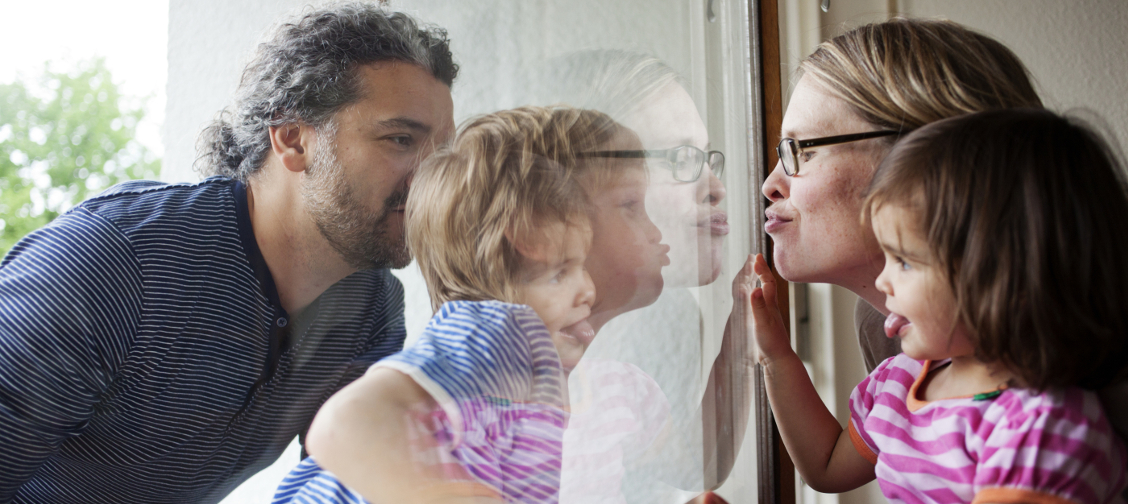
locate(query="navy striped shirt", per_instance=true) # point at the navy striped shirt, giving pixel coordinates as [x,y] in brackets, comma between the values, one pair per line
[144,356]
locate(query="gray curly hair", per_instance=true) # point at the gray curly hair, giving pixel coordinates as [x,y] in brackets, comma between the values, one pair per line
[306,72]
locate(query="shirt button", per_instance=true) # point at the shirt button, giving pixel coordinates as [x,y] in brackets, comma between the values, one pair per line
[281,322]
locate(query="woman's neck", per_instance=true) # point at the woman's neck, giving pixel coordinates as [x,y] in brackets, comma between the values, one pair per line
[863,282]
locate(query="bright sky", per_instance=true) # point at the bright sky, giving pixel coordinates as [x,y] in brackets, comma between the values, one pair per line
[131,34]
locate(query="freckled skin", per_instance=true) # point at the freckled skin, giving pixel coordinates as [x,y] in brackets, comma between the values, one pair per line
[821,237]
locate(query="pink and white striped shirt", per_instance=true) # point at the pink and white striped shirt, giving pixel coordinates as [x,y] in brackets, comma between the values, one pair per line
[1017,446]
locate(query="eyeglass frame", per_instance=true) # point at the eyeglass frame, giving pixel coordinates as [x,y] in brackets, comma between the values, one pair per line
[800,145]
[667,155]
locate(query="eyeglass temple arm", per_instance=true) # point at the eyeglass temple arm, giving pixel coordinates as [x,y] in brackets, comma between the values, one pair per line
[844,138]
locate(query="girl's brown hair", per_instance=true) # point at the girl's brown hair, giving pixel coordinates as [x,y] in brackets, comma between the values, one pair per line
[1026,214]
[904,73]
[504,179]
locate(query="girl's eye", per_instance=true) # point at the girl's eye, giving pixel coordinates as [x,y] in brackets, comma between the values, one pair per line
[904,265]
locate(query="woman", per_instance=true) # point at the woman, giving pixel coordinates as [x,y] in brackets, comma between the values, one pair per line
[887,79]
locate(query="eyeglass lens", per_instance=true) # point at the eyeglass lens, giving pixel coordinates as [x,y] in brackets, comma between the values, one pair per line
[688,161]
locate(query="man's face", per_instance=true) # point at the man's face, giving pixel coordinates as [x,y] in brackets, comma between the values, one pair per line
[356,185]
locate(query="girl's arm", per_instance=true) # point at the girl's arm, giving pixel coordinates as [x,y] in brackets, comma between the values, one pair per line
[821,449]
[728,393]
[372,435]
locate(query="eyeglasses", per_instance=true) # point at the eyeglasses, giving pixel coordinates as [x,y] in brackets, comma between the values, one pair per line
[686,162]
[790,148]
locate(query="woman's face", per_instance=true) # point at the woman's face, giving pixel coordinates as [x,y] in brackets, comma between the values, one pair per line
[814,217]
[688,213]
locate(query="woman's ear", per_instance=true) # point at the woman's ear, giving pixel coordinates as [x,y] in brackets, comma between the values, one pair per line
[292,143]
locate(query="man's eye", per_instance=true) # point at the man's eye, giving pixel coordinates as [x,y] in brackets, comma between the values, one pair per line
[403,141]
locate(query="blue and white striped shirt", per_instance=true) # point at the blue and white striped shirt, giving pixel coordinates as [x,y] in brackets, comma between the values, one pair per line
[494,371]
[144,356]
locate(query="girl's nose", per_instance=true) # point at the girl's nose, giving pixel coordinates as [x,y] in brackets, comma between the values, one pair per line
[587,293]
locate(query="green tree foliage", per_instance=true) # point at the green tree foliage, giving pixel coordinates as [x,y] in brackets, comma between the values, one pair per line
[62,141]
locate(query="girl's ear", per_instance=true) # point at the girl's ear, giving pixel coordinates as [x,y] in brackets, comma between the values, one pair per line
[521,245]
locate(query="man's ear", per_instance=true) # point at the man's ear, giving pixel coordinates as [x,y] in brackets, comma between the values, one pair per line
[292,143]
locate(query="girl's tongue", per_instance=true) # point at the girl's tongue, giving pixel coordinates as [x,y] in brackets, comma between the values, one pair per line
[894,323]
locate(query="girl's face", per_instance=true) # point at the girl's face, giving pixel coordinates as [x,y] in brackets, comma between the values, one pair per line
[559,289]
[922,307]
[813,218]
[689,214]
[627,255]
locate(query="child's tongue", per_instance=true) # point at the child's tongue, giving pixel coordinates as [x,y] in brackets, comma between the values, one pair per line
[894,323]
[581,331]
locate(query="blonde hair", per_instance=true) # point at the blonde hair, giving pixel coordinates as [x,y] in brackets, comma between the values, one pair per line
[904,73]
[611,81]
[501,182]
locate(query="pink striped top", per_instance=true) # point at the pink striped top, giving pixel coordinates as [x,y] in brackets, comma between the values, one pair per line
[1020,446]
[618,413]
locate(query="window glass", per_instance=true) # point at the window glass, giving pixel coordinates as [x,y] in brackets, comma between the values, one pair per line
[674,72]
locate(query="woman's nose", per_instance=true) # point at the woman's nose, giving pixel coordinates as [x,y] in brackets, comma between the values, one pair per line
[777,186]
[714,189]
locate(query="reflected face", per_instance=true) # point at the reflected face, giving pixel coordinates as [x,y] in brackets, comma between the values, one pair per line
[559,289]
[688,213]
[627,254]
[356,186]
[921,303]
[814,218]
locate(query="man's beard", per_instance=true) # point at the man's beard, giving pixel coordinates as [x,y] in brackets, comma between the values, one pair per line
[361,236]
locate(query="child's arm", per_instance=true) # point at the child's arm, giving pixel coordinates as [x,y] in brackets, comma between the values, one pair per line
[821,449]
[728,393]
[363,435]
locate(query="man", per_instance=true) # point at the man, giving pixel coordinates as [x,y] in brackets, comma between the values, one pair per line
[162,343]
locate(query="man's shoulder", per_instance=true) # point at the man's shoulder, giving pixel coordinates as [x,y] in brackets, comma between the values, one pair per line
[146,199]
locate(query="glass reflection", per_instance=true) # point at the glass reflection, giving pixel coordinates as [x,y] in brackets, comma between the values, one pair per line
[642,379]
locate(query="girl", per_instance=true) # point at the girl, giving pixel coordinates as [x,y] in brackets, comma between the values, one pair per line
[1002,233]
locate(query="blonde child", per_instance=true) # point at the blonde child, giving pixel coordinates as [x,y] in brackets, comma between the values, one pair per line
[1003,235]
[474,411]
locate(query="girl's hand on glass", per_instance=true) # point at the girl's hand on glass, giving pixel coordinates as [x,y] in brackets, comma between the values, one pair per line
[770,334]
[740,320]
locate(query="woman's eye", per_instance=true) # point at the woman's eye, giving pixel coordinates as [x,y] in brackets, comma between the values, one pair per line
[806,156]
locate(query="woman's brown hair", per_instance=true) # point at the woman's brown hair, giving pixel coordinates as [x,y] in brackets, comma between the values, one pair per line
[904,73]
[1026,214]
